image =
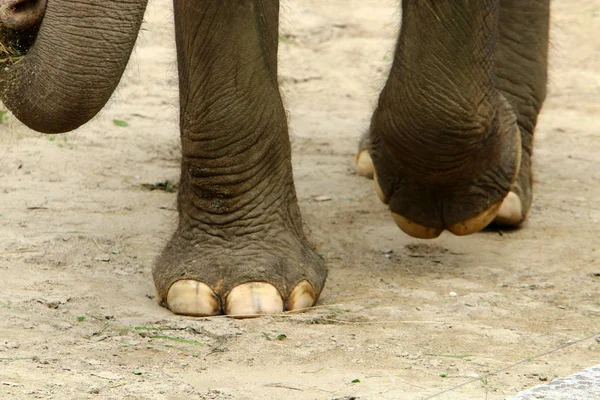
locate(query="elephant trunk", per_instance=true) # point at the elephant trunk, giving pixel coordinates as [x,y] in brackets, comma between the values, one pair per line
[75,63]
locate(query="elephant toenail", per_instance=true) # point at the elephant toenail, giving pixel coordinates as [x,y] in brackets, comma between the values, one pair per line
[511,210]
[415,230]
[364,164]
[189,297]
[253,299]
[476,223]
[302,297]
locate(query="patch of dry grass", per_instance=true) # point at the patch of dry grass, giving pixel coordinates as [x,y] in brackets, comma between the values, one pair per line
[10,52]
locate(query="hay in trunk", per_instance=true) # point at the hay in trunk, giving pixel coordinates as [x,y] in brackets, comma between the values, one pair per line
[15,45]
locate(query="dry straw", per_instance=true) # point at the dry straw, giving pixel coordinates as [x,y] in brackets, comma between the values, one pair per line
[10,51]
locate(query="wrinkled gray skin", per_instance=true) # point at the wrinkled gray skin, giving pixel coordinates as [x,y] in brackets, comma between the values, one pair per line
[461,102]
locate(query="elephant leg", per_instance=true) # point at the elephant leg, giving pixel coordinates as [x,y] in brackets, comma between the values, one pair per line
[521,73]
[451,138]
[444,140]
[239,248]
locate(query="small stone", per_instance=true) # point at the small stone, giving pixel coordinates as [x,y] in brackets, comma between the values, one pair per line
[321,199]
[10,384]
[102,258]
[453,294]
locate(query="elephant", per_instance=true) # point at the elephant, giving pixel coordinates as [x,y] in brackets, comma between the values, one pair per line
[449,145]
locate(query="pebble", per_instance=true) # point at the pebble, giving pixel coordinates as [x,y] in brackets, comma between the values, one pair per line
[321,199]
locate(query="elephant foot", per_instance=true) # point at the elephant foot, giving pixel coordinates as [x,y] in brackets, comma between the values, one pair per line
[462,228]
[510,213]
[246,277]
[432,189]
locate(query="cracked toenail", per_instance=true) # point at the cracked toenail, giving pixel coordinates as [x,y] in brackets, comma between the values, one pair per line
[189,297]
[302,297]
[253,299]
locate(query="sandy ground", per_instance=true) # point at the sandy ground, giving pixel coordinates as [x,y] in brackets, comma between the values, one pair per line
[399,318]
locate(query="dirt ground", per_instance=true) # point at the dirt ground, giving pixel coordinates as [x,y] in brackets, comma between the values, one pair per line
[478,317]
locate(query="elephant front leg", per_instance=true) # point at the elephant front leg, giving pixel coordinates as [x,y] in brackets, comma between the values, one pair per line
[239,248]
